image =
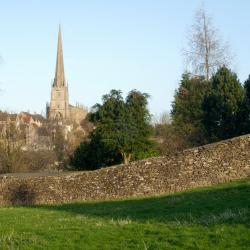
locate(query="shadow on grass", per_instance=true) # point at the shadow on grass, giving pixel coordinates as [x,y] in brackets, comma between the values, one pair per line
[224,204]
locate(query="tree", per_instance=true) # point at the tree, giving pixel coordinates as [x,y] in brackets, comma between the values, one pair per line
[11,142]
[123,125]
[222,106]
[169,139]
[206,52]
[138,129]
[59,143]
[162,118]
[244,116]
[187,112]
[165,118]
[247,88]
[122,131]
[93,154]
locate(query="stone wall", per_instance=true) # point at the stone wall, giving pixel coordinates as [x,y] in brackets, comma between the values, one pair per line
[202,166]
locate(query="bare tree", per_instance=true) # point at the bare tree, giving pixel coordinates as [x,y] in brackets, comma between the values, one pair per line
[11,141]
[165,118]
[206,51]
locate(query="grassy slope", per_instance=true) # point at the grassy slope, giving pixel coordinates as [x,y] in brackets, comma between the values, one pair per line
[211,218]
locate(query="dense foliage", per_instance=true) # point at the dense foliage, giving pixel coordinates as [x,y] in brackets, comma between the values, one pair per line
[202,112]
[222,106]
[208,111]
[122,132]
[187,112]
[245,110]
[169,139]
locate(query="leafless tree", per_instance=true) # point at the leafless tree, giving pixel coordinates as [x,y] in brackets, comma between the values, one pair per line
[165,118]
[11,141]
[206,51]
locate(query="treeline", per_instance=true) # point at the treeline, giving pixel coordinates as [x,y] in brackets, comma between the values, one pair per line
[205,111]
[14,156]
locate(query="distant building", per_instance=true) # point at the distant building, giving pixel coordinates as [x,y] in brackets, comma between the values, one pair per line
[36,132]
[59,107]
[30,129]
[30,119]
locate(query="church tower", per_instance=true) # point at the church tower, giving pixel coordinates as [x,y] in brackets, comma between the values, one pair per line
[59,102]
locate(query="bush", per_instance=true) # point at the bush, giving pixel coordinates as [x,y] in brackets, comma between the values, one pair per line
[169,139]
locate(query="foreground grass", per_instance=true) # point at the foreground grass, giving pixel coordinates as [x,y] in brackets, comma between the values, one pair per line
[211,218]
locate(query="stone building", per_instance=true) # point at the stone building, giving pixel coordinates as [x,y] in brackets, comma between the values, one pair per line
[59,107]
[29,129]
[36,131]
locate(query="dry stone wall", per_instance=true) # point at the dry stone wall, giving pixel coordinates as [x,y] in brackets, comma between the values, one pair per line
[203,166]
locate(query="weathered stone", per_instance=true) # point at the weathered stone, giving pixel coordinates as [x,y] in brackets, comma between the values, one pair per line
[203,166]
[59,107]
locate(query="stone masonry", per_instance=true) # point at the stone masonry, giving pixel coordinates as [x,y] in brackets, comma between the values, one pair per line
[203,166]
[59,107]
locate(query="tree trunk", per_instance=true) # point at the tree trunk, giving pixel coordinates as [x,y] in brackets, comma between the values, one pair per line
[126,157]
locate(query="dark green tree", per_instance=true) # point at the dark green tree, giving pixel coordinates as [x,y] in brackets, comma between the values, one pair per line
[187,112]
[93,154]
[244,116]
[122,131]
[247,88]
[222,105]
[138,130]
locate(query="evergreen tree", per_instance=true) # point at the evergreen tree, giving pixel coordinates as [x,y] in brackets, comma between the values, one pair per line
[187,112]
[138,128]
[247,88]
[122,131]
[222,106]
[245,109]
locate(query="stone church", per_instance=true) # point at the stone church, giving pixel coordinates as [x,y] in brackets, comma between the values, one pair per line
[59,107]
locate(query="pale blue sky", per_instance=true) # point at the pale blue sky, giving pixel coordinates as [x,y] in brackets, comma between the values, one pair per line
[130,44]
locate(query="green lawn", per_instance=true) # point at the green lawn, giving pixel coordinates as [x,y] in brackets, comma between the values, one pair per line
[211,218]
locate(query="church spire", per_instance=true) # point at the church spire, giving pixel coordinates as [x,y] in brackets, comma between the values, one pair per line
[59,80]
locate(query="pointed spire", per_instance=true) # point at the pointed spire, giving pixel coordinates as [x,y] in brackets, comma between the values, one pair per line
[59,80]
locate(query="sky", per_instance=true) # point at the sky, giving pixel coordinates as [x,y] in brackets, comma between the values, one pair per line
[125,44]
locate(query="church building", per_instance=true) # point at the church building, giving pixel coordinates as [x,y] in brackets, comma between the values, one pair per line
[59,107]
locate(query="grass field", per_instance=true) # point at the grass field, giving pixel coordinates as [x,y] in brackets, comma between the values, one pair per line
[211,218]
